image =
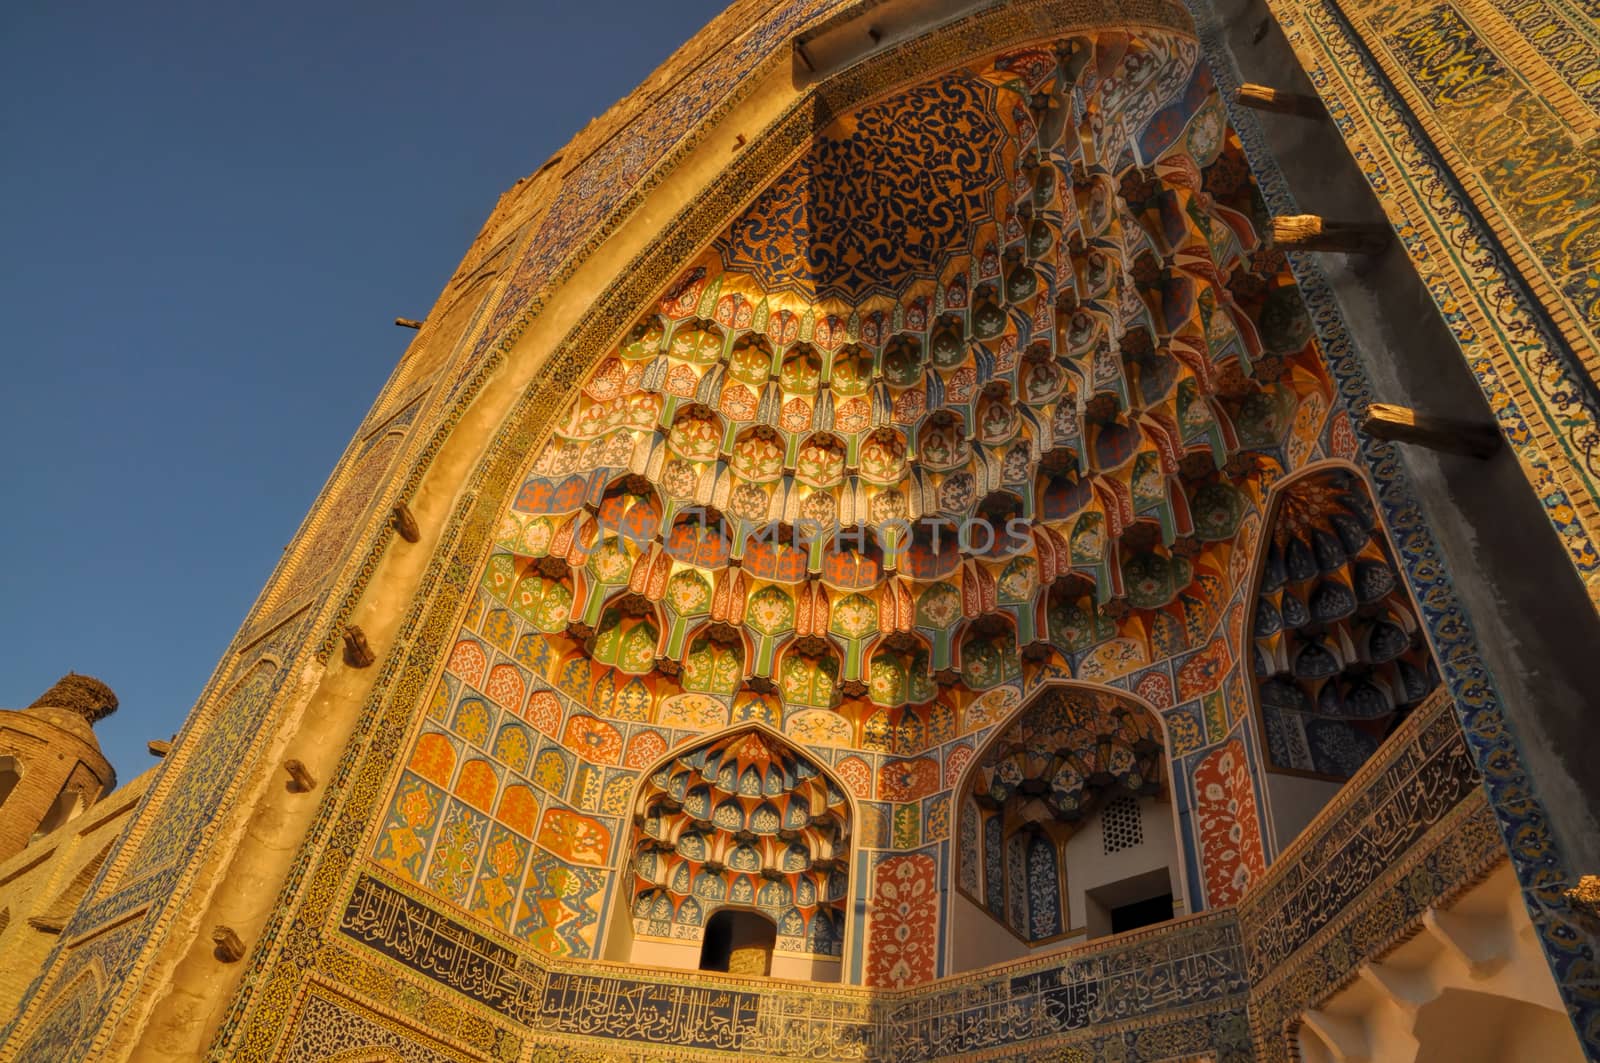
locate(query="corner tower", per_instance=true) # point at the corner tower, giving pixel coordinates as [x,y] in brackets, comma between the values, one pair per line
[51,767]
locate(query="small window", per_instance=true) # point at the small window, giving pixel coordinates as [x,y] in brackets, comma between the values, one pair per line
[10,775]
[1121,825]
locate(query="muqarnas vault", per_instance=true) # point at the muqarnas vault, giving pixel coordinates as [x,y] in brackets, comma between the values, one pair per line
[638,688]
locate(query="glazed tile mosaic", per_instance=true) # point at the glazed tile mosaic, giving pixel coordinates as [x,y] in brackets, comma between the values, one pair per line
[1513,125]
[705,640]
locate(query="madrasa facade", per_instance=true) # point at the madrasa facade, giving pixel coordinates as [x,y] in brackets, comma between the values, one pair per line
[1060,529]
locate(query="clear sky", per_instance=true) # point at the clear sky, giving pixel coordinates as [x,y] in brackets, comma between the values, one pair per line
[210,215]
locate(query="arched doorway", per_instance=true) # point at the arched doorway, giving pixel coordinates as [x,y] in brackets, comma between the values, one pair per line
[738,941]
[1066,829]
[739,862]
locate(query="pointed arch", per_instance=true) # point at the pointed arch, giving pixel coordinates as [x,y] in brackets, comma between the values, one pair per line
[739,819]
[1337,653]
[1047,771]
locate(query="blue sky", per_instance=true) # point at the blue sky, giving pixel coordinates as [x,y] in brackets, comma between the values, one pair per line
[209,217]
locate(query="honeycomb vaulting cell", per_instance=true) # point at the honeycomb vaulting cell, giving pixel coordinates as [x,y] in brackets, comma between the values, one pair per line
[968,382]
[742,822]
[1339,655]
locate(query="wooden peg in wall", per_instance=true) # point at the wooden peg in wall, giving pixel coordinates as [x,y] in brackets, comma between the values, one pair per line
[300,780]
[405,523]
[357,653]
[406,322]
[158,748]
[1402,425]
[1266,98]
[1311,232]
[230,949]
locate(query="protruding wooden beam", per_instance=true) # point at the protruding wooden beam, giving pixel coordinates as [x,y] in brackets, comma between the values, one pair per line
[230,949]
[405,523]
[1266,98]
[357,653]
[1311,232]
[406,322]
[1401,425]
[158,748]
[300,780]
[48,924]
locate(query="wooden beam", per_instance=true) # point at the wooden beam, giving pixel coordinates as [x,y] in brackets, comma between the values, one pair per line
[49,924]
[1401,425]
[405,523]
[230,949]
[357,653]
[1266,98]
[300,779]
[1311,232]
[406,322]
[158,748]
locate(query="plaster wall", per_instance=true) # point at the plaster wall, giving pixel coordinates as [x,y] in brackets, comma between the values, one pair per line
[1295,801]
[976,940]
[662,954]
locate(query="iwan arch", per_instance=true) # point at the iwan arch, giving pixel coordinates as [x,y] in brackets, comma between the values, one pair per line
[1261,740]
